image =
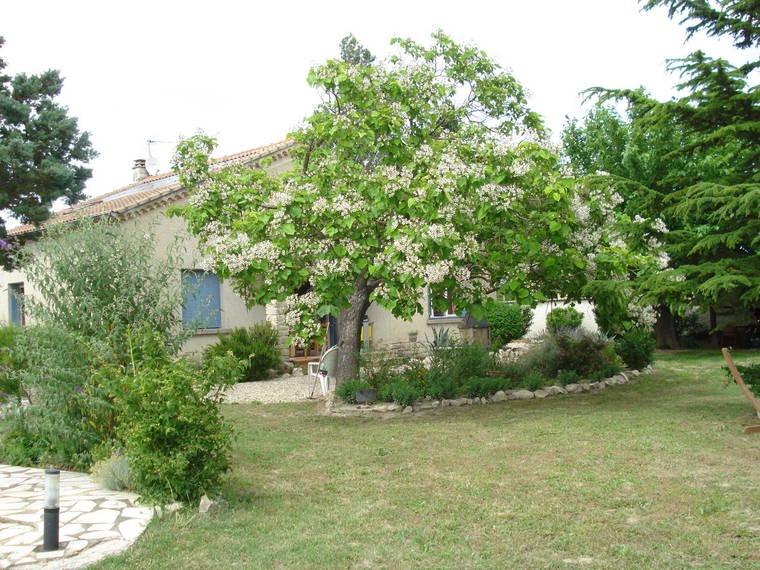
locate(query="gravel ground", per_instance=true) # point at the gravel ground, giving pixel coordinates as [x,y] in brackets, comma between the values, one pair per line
[289,389]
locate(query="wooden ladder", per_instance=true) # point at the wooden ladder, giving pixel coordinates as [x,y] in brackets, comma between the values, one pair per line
[747,392]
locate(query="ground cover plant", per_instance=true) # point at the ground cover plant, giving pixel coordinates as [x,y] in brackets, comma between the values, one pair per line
[655,474]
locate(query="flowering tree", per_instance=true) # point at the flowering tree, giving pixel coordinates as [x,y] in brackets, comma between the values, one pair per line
[422,170]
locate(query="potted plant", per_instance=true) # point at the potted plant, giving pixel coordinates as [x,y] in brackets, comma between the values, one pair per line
[366,395]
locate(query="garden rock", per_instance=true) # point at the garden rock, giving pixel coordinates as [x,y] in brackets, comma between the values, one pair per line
[585,386]
[499,396]
[386,408]
[573,388]
[459,402]
[408,410]
[555,390]
[540,394]
[522,395]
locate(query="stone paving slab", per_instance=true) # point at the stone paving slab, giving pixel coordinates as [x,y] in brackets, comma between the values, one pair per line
[95,522]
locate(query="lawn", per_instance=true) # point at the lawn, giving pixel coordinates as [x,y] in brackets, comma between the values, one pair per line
[652,474]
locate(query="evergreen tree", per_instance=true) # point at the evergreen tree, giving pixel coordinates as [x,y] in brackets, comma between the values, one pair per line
[42,152]
[708,186]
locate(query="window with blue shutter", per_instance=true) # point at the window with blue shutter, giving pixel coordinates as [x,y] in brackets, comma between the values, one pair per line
[16,303]
[201,307]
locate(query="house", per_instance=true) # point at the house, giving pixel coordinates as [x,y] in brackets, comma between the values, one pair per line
[141,207]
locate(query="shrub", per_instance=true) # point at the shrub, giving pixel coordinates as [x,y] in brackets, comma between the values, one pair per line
[69,411]
[636,348]
[378,367]
[347,390]
[534,381]
[563,318]
[113,472]
[256,346]
[100,281]
[460,360]
[11,364]
[484,387]
[400,392]
[584,353]
[507,322]
[441,387]
[565,377]
[171,426]
[751,376]
[542,358]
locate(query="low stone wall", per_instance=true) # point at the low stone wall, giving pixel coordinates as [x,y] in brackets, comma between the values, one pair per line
[390,409]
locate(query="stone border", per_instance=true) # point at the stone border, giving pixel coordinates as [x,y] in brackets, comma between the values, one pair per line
[391,409]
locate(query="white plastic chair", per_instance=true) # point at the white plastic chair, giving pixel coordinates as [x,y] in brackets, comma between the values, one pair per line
[322,371]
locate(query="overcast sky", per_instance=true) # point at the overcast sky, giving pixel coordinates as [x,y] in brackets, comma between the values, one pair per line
[158,70]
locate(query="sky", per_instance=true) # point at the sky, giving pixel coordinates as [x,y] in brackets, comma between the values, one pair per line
[162,69]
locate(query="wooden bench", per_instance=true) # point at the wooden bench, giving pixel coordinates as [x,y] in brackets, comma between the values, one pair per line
[747,392]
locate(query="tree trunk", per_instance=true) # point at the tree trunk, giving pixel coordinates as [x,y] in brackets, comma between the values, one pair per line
[665,329]
[350,322]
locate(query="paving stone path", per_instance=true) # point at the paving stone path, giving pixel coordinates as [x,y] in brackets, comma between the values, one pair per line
[95,522]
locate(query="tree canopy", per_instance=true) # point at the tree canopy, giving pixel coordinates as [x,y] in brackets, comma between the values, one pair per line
[693,161]
[427,169]
[42,151]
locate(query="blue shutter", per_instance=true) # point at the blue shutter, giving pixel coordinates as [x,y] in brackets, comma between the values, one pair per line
[15,310]
[201,307]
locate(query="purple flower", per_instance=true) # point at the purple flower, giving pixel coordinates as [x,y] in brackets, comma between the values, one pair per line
[4,244]
[78,389]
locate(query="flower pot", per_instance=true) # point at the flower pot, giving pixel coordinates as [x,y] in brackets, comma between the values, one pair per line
[366,395]
[413,337]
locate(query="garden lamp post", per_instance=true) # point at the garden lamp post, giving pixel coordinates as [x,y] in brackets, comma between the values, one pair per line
[52,509]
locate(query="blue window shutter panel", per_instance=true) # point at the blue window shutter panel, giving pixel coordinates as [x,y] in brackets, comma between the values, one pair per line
[202,304]
[15,312]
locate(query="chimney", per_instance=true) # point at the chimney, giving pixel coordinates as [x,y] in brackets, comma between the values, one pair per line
[139,172]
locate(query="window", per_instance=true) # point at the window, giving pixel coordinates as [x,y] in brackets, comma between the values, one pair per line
[448,310]
[16,303]
[201,307]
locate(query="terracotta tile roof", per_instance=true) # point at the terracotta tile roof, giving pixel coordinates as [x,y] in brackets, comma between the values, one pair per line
[152,188]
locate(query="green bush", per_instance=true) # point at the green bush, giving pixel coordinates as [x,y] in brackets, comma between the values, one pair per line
[347,390]
[542,358]
[484,387]
[113,472]
[563,318]
[69,412]
[400,392]
[565,377]
[441,387]
[636,348]
[586,354]
[534,381]
[11,364]
[256,346]
[508,322]
[751,376]
[460,360]
[101,281]
[170,421]
[378,367]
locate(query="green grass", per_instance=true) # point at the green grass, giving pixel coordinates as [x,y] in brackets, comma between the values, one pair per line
[651,475]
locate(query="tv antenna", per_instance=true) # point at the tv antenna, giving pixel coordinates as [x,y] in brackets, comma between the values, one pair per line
[152,162]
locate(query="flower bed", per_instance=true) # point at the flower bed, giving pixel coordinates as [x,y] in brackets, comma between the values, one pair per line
[391,409]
